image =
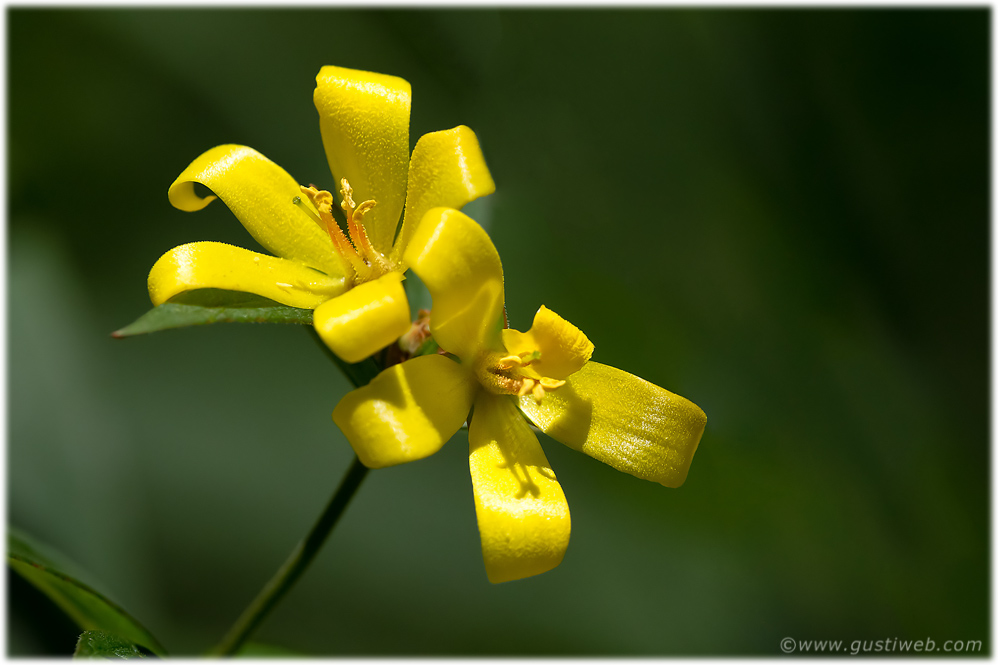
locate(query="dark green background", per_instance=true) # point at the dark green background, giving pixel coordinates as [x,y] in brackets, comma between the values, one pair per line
[780,214]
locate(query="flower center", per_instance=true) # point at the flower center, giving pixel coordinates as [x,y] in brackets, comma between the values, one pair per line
[363,262]
[506,375]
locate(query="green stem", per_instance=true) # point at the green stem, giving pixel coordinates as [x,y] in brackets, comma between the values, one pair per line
[295,565]
[359,374]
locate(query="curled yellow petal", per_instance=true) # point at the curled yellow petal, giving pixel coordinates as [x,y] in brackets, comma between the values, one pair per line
[365,319]
[407,412]
[460,267]
[260,194]
[522,513]
[215,265]
[624,421]
[563,348]
[364,120]
[447,170]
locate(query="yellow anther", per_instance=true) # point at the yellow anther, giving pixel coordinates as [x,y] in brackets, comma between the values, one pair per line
[359,212]
[346,192]
[538,392]
[551,384]
[508,362]
[320,198]
[526,387]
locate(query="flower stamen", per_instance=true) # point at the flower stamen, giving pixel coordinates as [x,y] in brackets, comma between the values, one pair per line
[354,247]
[355,214]
[357,232]
[509,362]
[323,202]
[503,375]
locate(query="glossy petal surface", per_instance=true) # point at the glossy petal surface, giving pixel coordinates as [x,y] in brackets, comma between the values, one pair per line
[259,193]
[215,265]
[624,421]
[564,348]
[522,513]
[447,170]
[364,120]
[457,261]
[407,412]
[365,319]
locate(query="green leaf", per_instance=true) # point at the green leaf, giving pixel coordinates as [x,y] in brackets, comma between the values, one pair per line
[62,581]
[204,306]
[98,644]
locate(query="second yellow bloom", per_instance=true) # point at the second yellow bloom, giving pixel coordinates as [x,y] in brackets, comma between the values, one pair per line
[410,410]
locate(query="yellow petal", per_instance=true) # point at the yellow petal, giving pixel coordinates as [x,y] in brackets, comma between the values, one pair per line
[564,348]
[260,194]
[457,261]
[365,319]
[522,512]
[215,265]
[364,120]
[624,421]
[447,170]
[407,412]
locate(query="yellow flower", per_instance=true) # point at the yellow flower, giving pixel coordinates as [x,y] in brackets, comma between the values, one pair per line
[353,283]
[410,410]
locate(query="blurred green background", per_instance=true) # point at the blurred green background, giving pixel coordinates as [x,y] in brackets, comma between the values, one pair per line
[780,214]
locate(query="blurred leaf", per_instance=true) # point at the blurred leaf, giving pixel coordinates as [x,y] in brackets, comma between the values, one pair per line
[257,650]
[59,579]
[98,644]
[204,306]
